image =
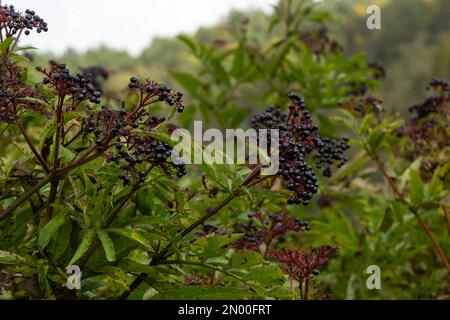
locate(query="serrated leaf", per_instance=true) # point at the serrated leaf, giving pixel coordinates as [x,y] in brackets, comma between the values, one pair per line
[62,240]
[132,235]
[212,246]
[405,176]
[84,246]
[108,245]
[387,221]
[63,153]
[100,206]
[375,139]
[5,44]
[366,123]
[48,131]
[144,201]
[416,188]
[50,228]
[278,60]
[238,61]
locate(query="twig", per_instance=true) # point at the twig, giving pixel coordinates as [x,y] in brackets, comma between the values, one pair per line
[5,212]
[59,127]
[33,149]
[51,198]
[163,254]
[447,218]
[306,289]
[423,223]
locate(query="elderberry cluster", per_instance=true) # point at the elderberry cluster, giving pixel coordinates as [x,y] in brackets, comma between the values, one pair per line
[362,106]
[428,128]
[378,71]
[298,137]
[98,76]
[331,151]
[437,103]
[161,91]
[319,41]
[133,151]
[80,87]
[265,228]
[302,264]
[11,93]
[126,135]
[13,21]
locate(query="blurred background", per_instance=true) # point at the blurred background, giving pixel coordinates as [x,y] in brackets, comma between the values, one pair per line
[138,37]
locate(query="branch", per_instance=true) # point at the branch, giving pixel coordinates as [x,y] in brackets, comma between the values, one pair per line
[59,127]
[4,213]
[447,218]
[33,149]
[157,260]
[423,223]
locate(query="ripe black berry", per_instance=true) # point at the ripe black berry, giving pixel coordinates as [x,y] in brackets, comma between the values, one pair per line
[298,139]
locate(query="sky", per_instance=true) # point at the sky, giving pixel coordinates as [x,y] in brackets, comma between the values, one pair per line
[130,24]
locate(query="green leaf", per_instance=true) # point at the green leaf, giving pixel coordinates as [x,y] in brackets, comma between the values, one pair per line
[63,153]
[144,201]
[267,274]
[4,45]
[13,233]
[416,188]
[243,259]
[61,242]
[203,292]
[375,139]
[90,189]
[189,42]
[36,100]
[84,246]
[237,69]
[212,246]
[277,62]
[43,279]
[48,131]
[387,221]
[108,245]
[132,235]
[128,265]
[7,257]
[187,81]
[405,176]
[219,72]
[50,228]
[368,120]
[99,208]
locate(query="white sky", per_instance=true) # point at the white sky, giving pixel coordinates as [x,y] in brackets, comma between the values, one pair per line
[129,24]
